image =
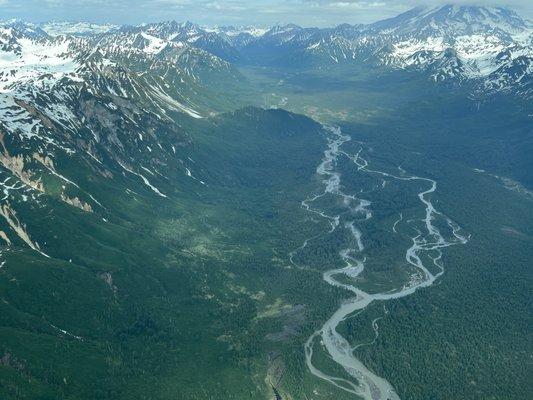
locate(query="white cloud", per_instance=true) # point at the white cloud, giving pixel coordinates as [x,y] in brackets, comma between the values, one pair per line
[359,5]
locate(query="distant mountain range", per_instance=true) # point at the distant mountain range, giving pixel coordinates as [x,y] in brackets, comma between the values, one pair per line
[490,46]
[97,91]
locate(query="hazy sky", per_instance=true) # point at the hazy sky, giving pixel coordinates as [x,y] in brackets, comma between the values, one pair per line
[238,12]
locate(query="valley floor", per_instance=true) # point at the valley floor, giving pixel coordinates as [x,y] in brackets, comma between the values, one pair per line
[236,278]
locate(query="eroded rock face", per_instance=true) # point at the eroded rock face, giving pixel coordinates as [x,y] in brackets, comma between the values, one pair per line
[13,221]
[44,160]
[5,238]
[63,129]
[17,166]
[20,166]
[47,122]
[76,202]
[98,115]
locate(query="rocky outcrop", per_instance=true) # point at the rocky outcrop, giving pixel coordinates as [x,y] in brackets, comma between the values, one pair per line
[20,229]
[76,202]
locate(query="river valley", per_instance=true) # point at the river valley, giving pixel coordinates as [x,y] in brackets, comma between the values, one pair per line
[429,240]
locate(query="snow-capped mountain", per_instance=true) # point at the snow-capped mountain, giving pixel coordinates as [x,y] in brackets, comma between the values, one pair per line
[101,94]
[22,27]
[57,28]
[449,43]
[172,67]
[452,20]
[476,40]
[108,104]
[221,41]
[37,59]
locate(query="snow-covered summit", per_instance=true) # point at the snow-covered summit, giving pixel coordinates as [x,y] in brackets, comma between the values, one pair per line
[57,28]
[482,43]
[454,20]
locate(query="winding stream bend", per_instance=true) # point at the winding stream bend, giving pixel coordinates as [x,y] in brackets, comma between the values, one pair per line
[429,241]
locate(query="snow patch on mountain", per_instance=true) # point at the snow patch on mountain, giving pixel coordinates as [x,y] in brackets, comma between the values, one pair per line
[76,28]
[155,45]
[37,61]
[452,19]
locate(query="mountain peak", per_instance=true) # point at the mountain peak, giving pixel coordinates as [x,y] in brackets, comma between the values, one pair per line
[453,19]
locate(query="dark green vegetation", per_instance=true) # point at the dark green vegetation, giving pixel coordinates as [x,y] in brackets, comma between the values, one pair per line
[193,296]
[164,299]
[469,336]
